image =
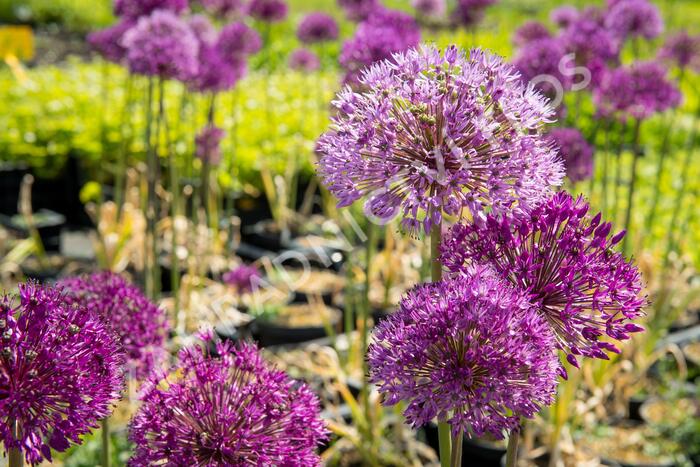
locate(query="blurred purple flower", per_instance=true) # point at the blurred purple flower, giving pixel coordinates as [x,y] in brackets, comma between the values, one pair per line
[60,372]
[470,351]
[564,16]
[226,8]
[237,40]
[470,12]
[203,30]
[359,10]
[683,50]
[268,11]
[107,42]
[588,40]
[634,18]
[215,74]
[529,32]
[317,27]
[208,144]
[575,151]
[304,60]
[134,9]
[539,63]
[430,8]
[233,409]
[243,278]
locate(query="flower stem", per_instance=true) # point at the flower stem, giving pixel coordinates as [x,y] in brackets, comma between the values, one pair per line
[512,450]
[105,442]
[150,208]
[636,153]
[456,459]
[364,311]
[14,455]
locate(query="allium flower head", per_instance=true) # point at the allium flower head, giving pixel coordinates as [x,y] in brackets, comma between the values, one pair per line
[565,261]
[638,91]
[208,144]
[539,63]
[226,8]
[243,278]
[107,42]
[359,10]
[430,8]
[134,9]
[436,133]
[162,45]
[530,31]
[470,351]
[634,18]
[268,11]
[237,40]
[564,15]
[60,372]
[234,409]
[215,74]
[575,151]
[141,326]
[470,12]
[203,30]
[304,60]
[588,40]
[317,27]
[683,50]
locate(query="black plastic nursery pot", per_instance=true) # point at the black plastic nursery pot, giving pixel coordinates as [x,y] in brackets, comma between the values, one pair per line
[10,182]
[270,333]
[48,223]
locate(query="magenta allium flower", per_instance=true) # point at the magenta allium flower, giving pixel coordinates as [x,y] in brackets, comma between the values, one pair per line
[588,40]
[226,8]
[141,326]
[203,30]
[564,259]
[268,11]
[470,12]
[683,50]
[539,62]
[377,38]
[530,31]
[564,15]
[162,45]
[304,60]
[430,8]
[243,278]
[134,9]
[216,74]
[638,91]
[237,40]
[60,372]
[359,10]
[470,351]
[436,133]
[634,18]
[317,27]
[575,151]
[208,144]
[234,409]
[107,42]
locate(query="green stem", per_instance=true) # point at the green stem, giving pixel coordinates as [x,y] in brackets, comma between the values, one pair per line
[636,153]
[366,305]
[150,194]
[457,443]
[14,455]
[618,171]
[120,176]
[512,450]
[105,442]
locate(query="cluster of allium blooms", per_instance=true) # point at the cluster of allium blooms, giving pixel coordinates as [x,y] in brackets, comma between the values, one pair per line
[243,278]
[683,50]
[634,18]
[540,58]
[304,60]
[470,351]
[203,30]
[238,39]
[208,144]
[564,15]
[233,409]
[470,12]
[588,39]
[141,326]
[134,9]
[377,38]
[60,372]
[430,8]
[436,133]
[575,151]
[108,42]
[638,91]
[566,262]
[317,27]
[268,11]
[530,31]
[162,45]
[226,8]
[359,10]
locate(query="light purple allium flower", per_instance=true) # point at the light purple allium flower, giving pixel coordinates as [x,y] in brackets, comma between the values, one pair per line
[317,27]
[542,58]
[304,60]
[377,38]
[243,278]
[564,15]
[564,259]
[471,351]
[268,11]
[588,39]
[575,151]
[226,8]
[233,409]
[470,12]
[430,8]
[634,18]
[134,9]
[638,91]
[208,144]
[530,31]
[359,10]
[203,30]
[162,45]
[436,133]
[683,50]
[107,42]
[60,372]
[237,40]
[141,326]
[215,73]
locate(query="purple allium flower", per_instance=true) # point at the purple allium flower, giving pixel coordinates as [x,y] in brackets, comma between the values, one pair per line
[317,27]
[141,326]
[208,144]
[638,91]
[634,18]
[430,8]
[564,259]
[234,409]
[588,39]
[243,278]
[539,63]
[215,73]
[107,42]
[268,11]
[226,8]
[575,151]
[203,30]
[470,12]
[470,351]
[564,16]
[384,33]
[530,31]
[134,9]
[438,133]
[162,45]
[304,60]
[237,40]
[60,372]
[683,50]
[359,10]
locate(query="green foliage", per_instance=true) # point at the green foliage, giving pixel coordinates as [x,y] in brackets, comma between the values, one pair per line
[71,15]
